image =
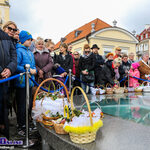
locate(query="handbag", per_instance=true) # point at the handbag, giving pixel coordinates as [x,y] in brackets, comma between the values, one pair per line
[88,78]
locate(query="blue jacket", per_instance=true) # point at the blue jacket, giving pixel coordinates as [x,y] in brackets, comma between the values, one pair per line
[24,56]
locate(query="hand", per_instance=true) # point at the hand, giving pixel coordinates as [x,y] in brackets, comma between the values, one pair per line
[40,74]
[63,74]
[33,71]
[6,73]
[84,72]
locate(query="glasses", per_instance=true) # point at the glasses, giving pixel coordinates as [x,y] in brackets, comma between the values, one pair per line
[10,29]
[76,54]
[87,52]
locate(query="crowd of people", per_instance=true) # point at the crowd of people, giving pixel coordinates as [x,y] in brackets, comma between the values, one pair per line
[90,69]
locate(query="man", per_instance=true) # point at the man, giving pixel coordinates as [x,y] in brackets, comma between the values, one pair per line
[131,58]
[117,52]
[108,72]
[98,63]
[144,68]
[8,65]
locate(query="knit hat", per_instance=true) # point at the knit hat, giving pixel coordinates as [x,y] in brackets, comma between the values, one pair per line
[24,35]
[135,65]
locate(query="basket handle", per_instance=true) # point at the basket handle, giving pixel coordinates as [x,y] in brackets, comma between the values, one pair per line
[49,87]
[66,108]
[50,79]
[86,99]
[108,85]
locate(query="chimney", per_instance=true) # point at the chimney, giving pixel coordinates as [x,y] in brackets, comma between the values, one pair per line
[114,23]
[93,27]
[147,26]
[62,40]
[134,32]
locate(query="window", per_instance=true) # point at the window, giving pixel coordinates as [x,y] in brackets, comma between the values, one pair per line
[146,47]
[107,49]
[124,50]
[147,35]
[141,37]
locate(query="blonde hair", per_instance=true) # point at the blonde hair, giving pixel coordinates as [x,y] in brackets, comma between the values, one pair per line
[48,43]
[7,24]
[38,39]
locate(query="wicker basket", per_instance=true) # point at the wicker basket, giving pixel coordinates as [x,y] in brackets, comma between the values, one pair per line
[109,90]
[59,128]
[48,124]
[119,90]
[36,93]
[86,137]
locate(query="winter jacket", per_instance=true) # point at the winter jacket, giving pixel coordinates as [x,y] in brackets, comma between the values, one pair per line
[43,62]
[98,62]
[107,74]
[124,67]
[87,63]
[132,81]
[65,62]
[8,56]
[24,56]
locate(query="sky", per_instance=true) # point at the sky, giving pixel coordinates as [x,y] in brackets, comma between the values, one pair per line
[54,19]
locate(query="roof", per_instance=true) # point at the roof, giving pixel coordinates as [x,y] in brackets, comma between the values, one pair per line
[85,30]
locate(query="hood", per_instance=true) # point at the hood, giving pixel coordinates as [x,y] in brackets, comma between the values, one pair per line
[21,46]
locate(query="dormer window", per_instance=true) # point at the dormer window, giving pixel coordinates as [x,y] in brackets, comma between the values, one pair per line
[77,32]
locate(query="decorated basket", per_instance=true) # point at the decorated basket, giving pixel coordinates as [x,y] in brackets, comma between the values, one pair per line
[147,87]
[59,127]
[109,89]
[45,118]
[119,90]
[83,134]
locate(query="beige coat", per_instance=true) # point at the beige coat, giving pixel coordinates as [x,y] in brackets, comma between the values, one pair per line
[144,70]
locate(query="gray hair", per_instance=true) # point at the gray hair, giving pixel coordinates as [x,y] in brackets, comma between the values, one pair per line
[144,54]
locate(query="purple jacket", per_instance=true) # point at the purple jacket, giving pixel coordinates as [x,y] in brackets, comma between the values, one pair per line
[43,62]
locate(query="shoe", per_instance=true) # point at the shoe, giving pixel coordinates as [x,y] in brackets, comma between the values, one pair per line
[21,133]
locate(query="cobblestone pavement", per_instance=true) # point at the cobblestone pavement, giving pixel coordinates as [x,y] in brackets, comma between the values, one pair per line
[14,136]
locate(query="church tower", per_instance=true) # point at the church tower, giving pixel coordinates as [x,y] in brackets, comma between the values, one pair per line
[4,11]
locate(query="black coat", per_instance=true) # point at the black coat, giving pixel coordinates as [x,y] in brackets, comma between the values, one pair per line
[107,74]
[123,68]
[8,55]
[87,63]
[98,61]
[66,63]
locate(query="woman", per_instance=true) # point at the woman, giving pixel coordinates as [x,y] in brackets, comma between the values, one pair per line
[10,28]
[64,59]
[43,61]
[50,46]
[108,72]
[87,66]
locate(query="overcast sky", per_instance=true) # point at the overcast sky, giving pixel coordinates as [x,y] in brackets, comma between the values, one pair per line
[56,18]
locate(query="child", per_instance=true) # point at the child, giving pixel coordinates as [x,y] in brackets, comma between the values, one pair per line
[24,56]
[134,72]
